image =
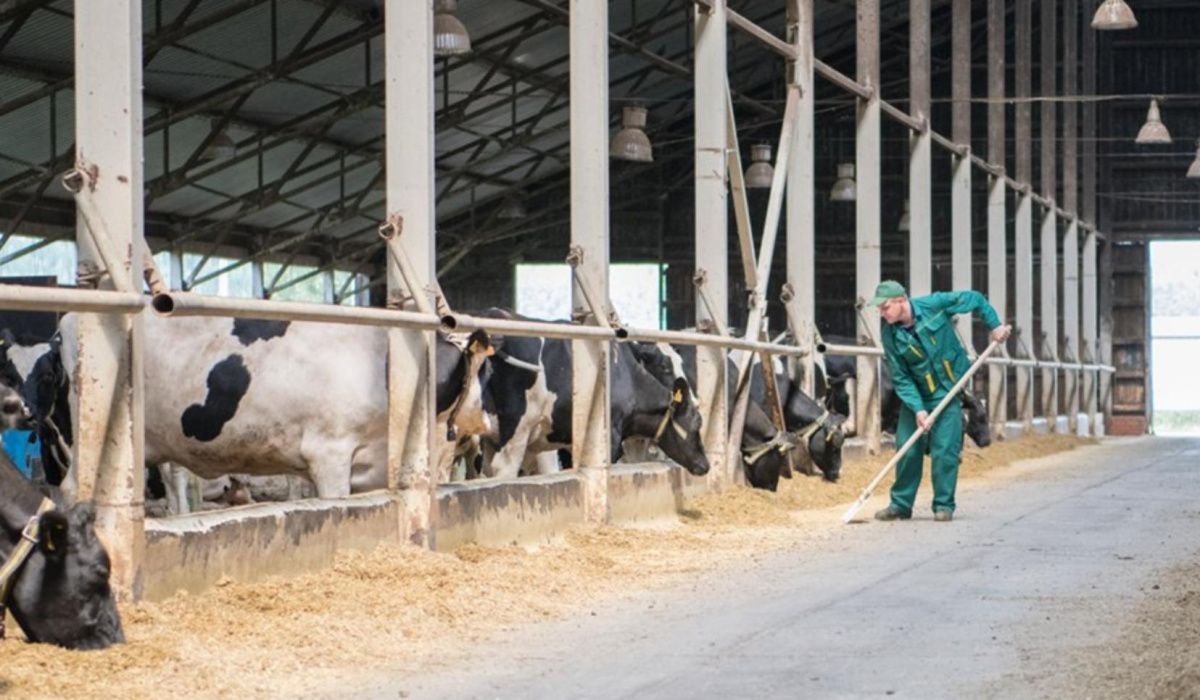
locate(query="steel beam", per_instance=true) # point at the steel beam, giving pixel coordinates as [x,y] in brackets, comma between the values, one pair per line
[997,221]
[960,185]
[409,99]
[1047,348]
[108,449]
[868,147]
[920,165]
[712,253]
[591,448]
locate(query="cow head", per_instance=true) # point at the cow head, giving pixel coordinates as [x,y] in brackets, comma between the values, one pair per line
[14,415]
[823,428]
[60,594]
[679,432]
[47,392]
[975,420]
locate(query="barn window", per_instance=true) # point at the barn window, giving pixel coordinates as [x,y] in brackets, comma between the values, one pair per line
[55,258]
[543,290]
[1175,336]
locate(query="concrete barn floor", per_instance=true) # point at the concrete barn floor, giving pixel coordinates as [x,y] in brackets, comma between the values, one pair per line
[996,604]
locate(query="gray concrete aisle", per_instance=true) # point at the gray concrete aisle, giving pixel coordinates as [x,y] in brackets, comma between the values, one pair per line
[1034,566]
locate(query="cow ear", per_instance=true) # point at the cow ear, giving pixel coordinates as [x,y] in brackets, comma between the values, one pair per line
[480,342]
[52,535]
[680,392]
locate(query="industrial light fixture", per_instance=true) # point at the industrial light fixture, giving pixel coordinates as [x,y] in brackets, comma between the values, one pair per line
[844,190]
[450,37]
[219,148]
[1153,131]
[1194,168]
[904,221]
[1113,15]
[760,174]
[631,142]
[512,209]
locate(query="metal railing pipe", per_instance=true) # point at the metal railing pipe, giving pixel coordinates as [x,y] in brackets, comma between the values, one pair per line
[842,80]
[22,297]
[188,304]
[835,349]
[713,340]
[536,329]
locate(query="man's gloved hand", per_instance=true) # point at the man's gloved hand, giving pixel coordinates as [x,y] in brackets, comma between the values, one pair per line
[923,421]
[1000,333]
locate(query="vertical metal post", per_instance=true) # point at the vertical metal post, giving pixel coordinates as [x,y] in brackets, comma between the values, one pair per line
[327,290]
[960,186]
[997,222]
[1024,224]
[1104,299]
[409,158]
[109,425]
[920,168]
[868,149]
[1048,344]
[175,267]
[256,280]
[1070,286]
[1088,209]
[712,254]
[591,449]
[801,225]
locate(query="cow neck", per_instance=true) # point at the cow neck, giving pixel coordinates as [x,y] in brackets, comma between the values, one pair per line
[20,502]
[806,408]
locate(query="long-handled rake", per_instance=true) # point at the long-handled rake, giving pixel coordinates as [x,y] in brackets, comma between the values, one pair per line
[916,436]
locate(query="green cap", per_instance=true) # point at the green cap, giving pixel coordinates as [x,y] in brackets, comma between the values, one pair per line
[887,289]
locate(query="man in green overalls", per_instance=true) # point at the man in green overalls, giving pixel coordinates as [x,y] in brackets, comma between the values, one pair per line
[926,360]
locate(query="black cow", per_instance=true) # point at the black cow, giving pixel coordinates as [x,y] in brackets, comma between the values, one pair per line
[809,426]
[839,368]
[529,395]
[60,594]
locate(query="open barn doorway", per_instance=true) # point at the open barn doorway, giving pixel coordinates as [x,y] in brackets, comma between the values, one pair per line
[1175,336]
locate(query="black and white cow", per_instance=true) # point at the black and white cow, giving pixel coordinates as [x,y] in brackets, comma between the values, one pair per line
[810,427]
[838,368]
[60,594]
[529,395]
[245,396]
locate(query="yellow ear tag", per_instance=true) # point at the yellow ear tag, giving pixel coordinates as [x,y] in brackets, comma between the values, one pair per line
[491,350]
[677,397]
[471,347]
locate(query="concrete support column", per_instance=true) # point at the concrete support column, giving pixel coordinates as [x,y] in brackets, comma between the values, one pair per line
[1070,300]
[256,280]
[1090,331]
[591,447]
[1048,345]
[801,192]
[997,221]
[109,425]
[409,102]
[1104,297]
[868,150]
[1023,243]
[175,267]
[712,216]
[920,168]
[960,186]
[1089,324]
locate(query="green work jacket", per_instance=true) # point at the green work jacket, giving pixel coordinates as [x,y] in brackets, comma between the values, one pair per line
[927,359]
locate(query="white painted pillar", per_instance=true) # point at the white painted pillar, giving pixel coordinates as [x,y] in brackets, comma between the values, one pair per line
[257,283]
[1088,208]
[920,160]
[109,425]
[997,222]
[960,185]
[590,449]
[712,253]
[1048,345]
[409,103]
[1070,267]
[867,210]
[801,195]
[175,266]
[1023,243]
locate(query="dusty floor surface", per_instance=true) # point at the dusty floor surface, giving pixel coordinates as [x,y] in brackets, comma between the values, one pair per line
[397,611]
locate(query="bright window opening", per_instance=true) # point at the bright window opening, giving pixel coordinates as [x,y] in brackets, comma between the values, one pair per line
[636,289]
[1175,336]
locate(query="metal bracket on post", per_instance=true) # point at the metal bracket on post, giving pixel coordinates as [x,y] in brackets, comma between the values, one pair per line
[602,312]
[80,181]
[701,281]
[390,232]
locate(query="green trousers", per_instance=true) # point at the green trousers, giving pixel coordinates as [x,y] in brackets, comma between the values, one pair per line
[943,444]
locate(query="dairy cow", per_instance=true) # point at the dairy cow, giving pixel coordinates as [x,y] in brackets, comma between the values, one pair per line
[246,396]
[529,397]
